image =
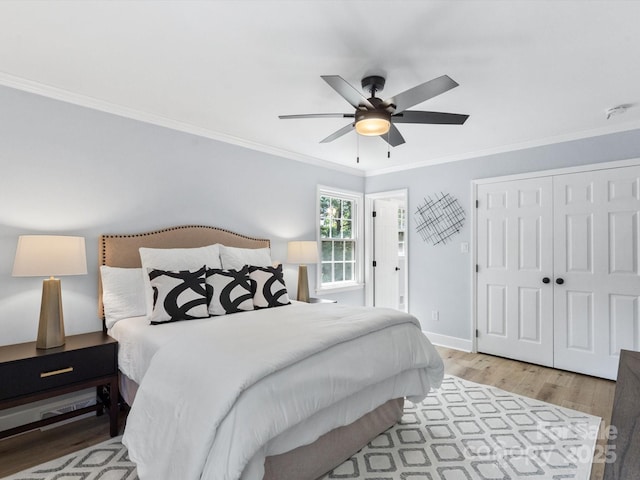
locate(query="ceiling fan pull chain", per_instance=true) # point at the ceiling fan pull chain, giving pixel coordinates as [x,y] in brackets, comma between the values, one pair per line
[388,144]
[357,148]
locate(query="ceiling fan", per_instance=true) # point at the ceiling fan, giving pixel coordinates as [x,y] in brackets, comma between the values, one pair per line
[374,116]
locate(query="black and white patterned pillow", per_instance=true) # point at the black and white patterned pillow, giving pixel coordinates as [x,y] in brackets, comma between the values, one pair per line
[229,291]
[178,295]
[268,287]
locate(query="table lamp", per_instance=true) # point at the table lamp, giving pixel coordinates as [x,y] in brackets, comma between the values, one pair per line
[303,253]
[50,256]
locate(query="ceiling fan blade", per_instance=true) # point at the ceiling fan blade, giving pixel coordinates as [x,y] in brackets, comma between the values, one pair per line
[437,118]
[394,137]
[347,91]
[343,131]
[420,93]
[318,115]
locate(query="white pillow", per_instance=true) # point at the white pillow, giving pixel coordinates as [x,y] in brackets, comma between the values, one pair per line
[123,293]
[234,258]
[174,259]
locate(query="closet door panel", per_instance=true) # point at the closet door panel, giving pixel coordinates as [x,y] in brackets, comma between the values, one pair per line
[515,308]
[624,330]
[596,243]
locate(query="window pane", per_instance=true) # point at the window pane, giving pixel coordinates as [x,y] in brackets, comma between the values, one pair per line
[348,271]
[326,251]
[338,251]
[336,207]
[348,250]
[336,229]
[324,206]
[402,219]
[347,209]
[338,272]
[325,227]
[346,229]
[326,272]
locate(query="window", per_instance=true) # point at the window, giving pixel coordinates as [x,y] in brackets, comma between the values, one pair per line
[402,226]
[340,250]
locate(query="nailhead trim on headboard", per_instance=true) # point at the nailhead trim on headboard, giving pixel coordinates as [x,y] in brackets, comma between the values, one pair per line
[103,246]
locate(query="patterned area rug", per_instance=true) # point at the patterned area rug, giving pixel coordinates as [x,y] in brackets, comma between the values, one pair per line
[464,431]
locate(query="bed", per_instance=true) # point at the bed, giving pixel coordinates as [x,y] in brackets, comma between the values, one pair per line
[276,393]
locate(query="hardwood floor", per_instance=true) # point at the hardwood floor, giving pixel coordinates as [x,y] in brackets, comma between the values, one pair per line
[571,390]
[35,447]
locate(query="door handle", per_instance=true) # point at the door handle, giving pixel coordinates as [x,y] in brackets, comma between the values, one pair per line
[397,269]
[546,280]
[559,281]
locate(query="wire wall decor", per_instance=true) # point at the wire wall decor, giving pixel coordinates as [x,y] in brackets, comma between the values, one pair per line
[440,218]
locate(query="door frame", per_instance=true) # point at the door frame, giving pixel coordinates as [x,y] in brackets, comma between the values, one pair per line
[507,178]
[369,199]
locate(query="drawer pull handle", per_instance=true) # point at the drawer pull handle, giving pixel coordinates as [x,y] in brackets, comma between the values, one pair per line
[56,372]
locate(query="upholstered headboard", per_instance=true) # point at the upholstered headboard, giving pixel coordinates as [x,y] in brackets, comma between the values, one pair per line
[122,250]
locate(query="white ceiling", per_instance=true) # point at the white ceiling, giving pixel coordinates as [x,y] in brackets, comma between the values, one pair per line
[530,72]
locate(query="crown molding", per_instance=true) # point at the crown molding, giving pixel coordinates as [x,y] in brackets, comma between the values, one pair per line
[625,127]
[86,101]
[115,109]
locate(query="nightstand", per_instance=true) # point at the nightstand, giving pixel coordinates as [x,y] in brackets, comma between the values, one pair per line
[88,360]
[322,300]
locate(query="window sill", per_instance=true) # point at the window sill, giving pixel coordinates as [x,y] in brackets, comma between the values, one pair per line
[339,288]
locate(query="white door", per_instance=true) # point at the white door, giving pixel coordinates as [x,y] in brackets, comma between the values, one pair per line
[597,274]
[385,247]
[515,259]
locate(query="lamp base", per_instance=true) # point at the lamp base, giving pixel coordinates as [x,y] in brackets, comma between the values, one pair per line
[303,284]
[51,326]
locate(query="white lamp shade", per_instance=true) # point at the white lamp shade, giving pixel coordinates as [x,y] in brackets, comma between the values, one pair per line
[302,253]
[49,256]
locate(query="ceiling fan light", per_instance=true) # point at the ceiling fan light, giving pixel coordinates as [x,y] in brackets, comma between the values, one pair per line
[373,123]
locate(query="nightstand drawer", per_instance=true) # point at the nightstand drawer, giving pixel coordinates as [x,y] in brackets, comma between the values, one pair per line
[38,374]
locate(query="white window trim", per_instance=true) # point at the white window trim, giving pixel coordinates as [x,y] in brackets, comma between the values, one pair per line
[357,227]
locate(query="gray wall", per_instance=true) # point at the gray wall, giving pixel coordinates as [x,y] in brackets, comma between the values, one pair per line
[71,170]
[440,276]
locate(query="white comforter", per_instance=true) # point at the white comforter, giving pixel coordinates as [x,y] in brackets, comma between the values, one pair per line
[216,394]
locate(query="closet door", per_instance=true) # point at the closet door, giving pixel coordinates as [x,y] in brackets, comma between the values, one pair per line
[597,274]
[515,259]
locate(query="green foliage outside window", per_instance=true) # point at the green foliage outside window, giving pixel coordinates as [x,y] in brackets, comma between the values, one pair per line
[337,239]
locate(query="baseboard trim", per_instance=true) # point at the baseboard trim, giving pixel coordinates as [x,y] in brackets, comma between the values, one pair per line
[450,342]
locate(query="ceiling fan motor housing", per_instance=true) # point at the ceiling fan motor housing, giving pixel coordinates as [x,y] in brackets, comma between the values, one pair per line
[373,84]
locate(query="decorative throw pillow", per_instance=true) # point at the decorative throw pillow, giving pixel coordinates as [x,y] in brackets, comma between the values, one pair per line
[235,258]
[175,259]
[268,286]
[122,293]
[229,291]
[178,295]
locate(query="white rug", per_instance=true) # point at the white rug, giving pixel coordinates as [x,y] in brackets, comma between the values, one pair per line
[463,431]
